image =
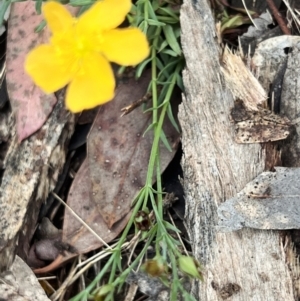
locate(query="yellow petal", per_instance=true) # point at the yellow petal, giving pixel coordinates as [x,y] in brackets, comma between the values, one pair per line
[47,71]
[57,16]
[93,85]
[127,46]
[103,15]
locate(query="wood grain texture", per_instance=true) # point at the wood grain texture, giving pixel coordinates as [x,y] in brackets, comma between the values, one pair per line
[31,171]
[243,265]
[20,284]
[290,107]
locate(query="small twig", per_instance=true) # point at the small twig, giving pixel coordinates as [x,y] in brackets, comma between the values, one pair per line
[249,15]
[132,245]
[63,287]
[82,267]
[278,17]
[46,278]
[49,286]
[293,14]
[81,220]
[131,293]
[135,104]
[184,248]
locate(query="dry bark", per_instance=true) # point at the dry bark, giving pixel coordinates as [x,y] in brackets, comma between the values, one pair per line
[290,106]
[31,171]
[242,265]
[20,284]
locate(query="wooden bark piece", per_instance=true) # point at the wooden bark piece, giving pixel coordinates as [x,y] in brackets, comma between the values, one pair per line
[20,284]
[270,201]
[215,169]
[242,82]
[258,126]
[290,106]
[269,55]
[31,170]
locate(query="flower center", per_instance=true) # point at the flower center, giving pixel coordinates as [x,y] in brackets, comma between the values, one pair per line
[73,47]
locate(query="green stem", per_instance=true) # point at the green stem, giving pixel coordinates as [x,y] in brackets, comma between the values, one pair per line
[154,75]
[91,286]
[159,185]
[174,288]
[135,262]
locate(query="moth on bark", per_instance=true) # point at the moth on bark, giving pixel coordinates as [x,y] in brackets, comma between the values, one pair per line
[258,126]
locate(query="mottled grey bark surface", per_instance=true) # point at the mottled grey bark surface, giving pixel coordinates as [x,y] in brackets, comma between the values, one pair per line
[271,201]
[31,171]
[242,265]
[290,106]
[20,284]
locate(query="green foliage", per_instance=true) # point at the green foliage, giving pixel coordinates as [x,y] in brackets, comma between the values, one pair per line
[159,20]
[230,21]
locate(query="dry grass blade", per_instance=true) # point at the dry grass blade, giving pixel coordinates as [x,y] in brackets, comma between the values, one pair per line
[294,16]
[81,221]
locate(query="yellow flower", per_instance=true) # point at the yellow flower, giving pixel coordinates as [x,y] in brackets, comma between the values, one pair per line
[80,50]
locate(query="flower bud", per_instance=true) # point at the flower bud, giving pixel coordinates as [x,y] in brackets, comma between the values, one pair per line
[190,266]
[155,267]
[102,292]
[142,221]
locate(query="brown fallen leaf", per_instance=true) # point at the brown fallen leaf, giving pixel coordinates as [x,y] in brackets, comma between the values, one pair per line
[30,104]
[258,126]
[131,156]
[118,153]
[75,233]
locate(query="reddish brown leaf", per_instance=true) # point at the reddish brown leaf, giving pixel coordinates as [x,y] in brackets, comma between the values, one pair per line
[30,104]
[130,155]
[54,264]
[76,234]
[118,154]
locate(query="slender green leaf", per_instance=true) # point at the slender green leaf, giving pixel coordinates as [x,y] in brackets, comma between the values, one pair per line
[179,82]
[141,67]
[3,8]
[155,23]
[170,52]
[168,69]
[167,20]
[172,119]
[169,226]
[81,2]
[150,127]
[40,27]
[151,12]
[159,64]
[165,141]
[166,11]
[163,45]
[171,38]
[144,27]
[38,6]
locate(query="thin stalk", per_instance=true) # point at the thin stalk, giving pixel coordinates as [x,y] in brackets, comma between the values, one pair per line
[154,74]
